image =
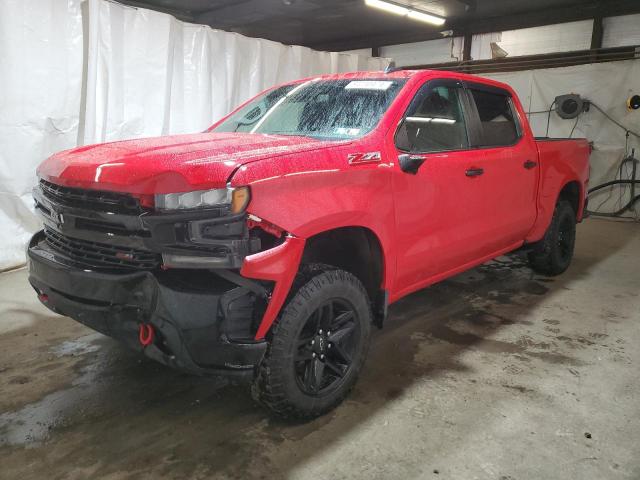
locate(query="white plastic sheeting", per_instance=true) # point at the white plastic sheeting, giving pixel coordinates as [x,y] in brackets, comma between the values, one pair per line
[75,72]
[621,31]
[441,50]
[153,74]
[40,84]
[563,37]
[608,85]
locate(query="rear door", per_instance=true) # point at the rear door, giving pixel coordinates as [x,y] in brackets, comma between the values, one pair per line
[510,163]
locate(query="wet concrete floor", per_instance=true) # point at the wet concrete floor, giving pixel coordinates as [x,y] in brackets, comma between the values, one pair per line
[495,374]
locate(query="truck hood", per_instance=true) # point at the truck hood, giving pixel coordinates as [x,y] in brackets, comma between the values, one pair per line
[168,164]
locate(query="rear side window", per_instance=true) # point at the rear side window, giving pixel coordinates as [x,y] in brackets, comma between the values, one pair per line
[499,126]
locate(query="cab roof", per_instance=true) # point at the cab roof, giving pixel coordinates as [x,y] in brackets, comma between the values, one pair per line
[416,75]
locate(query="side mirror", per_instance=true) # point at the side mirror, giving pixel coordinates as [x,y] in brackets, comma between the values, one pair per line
[411,163]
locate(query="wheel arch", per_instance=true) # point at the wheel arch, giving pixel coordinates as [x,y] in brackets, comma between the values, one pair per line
[569,189]
[572,192]
[358,250]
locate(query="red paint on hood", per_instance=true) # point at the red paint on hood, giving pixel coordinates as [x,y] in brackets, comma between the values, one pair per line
[175,163]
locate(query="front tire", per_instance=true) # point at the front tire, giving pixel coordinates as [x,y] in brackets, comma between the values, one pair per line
[317,346]
[553,254]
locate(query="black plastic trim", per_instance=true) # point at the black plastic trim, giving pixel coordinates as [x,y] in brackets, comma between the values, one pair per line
[485,88]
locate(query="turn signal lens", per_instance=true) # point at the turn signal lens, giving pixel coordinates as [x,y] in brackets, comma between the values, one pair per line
[239,199]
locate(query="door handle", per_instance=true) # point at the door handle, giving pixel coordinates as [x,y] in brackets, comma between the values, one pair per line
[474,172]
[529,164]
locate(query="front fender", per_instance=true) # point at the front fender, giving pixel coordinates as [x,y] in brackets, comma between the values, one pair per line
[308,196]
[280,265]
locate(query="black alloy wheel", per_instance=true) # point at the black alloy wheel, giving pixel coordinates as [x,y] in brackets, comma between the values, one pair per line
[553,254]
[317,346]
[326,345]
[566,238]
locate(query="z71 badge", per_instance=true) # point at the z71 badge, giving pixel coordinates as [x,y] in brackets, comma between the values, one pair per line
[370,157]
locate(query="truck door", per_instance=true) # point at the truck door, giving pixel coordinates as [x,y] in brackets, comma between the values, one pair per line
[510,159]
[442,222]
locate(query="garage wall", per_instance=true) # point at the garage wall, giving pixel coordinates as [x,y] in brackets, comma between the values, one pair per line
[621,31]
[563,37]
[74,73]
[421,53]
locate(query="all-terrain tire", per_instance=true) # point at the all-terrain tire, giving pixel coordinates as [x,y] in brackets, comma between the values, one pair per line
[277,384]
[553,254]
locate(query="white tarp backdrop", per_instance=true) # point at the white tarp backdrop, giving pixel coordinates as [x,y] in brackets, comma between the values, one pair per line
[40,85]
[76,72]
[565,37]
[425,53]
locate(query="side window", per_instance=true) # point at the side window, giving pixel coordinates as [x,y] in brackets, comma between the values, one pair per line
[498,122]
[434,121]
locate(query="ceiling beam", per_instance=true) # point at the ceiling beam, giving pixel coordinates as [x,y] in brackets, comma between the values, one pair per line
[474,24]
[532,62]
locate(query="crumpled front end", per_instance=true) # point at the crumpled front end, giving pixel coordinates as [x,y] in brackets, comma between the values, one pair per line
[194,289]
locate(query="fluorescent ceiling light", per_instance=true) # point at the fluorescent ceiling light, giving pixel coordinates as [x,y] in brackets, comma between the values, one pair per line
[425,17]
[388,7]
[405,11]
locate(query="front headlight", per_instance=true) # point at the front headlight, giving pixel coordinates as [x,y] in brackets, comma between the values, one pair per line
[236,199]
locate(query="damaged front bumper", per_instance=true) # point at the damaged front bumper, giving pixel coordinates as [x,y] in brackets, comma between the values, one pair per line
[202,323]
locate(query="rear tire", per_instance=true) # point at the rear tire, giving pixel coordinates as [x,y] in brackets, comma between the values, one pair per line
[317,346]
[553,254]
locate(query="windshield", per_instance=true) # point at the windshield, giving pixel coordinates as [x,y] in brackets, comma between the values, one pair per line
[324,109]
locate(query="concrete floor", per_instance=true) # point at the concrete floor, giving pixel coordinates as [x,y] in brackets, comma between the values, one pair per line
[494,374]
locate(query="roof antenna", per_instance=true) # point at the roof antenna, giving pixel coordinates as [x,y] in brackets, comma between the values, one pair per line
[392,67]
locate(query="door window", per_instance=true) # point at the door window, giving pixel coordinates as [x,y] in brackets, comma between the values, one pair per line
[434,121]
[498,124]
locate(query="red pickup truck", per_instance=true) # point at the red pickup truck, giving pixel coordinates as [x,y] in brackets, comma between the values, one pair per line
[266,247]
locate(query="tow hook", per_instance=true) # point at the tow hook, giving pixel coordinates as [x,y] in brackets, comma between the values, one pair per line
[146,334]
